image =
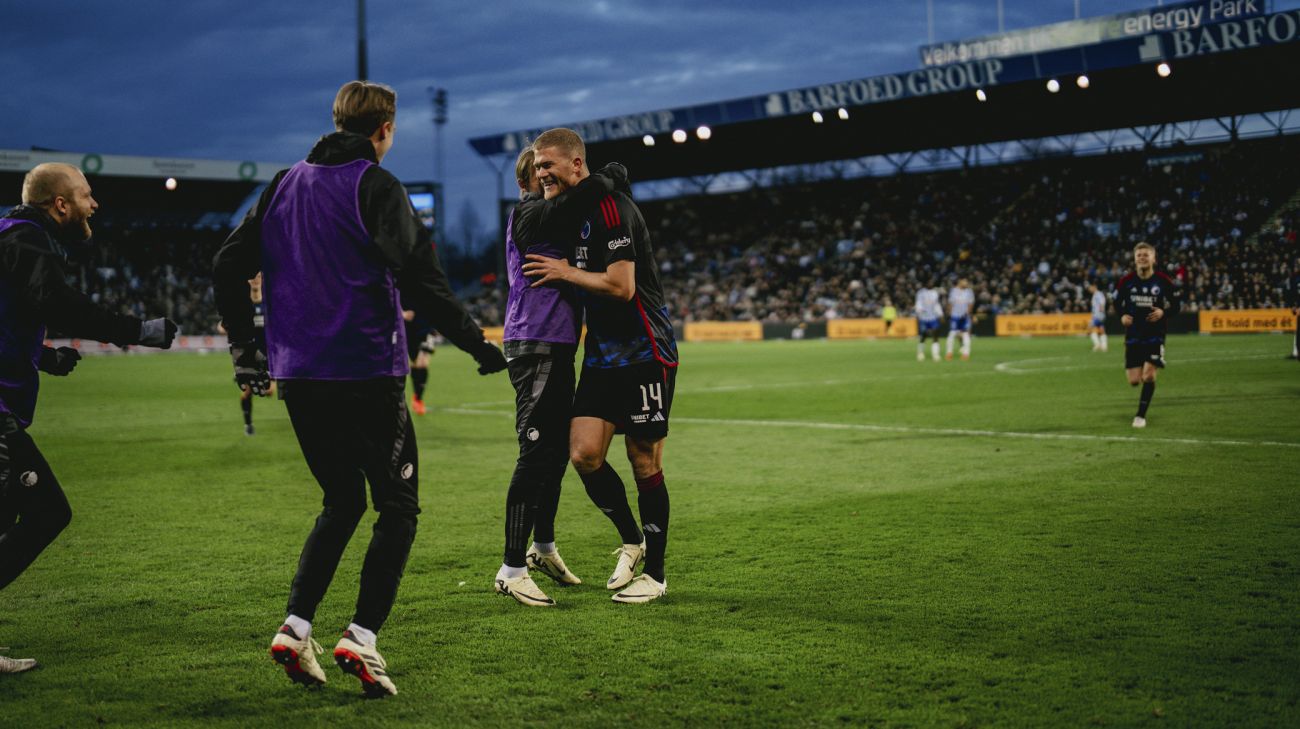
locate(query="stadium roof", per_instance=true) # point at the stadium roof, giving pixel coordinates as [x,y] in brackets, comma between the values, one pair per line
[114,165]
[1226,69]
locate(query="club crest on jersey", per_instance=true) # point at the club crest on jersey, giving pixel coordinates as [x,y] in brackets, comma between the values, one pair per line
[586,230]
[620,242]
[1155,290]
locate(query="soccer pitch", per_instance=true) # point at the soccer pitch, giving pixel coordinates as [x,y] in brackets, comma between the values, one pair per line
[857,538]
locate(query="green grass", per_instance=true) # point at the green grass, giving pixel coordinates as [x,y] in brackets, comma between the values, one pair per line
[917,559]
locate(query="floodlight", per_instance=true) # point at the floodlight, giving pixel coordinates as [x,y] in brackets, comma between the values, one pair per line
[679,135]
[703,133]
[817,117]
[648,140]
[1053,85]
[979,94]
[844,113]
[170,183]
[1164,70]
[1082,81]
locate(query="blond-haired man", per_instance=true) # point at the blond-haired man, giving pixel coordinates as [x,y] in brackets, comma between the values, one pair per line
[340,249]
[1145,298]
[629,366]
[34,294]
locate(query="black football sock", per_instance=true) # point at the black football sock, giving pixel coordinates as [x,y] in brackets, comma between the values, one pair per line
[246,404]
[652,502]
[419,377]
[1148,389]
[548,503]
[606,491]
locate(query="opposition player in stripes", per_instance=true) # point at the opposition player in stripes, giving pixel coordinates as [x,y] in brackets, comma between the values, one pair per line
[961,310]
[541,340]
[629,365]
[929,312]
[34,294]
[1145,299]
[340,248]
[1097,325]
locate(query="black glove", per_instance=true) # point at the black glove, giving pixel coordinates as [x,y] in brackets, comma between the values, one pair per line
[157,333]
[489,358]
[617,174]
[58,362]
[250,368]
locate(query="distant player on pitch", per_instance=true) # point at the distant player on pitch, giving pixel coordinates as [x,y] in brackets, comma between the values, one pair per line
[339,247]
[34,294]
[629,366]
[1145,299]
[961,311]
[929,312]
[1097,326]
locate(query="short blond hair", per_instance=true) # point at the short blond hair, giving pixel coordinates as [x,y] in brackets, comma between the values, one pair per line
[362,107]
[1145,245]
[524,168]
[47,181]
[564,139]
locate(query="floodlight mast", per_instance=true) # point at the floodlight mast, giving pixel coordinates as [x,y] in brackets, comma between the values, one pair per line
[362,71]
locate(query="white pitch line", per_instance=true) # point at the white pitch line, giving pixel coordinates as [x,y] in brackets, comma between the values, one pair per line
[1013,367]
[864,427]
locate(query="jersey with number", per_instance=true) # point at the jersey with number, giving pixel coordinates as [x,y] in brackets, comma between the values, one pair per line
[622,333]
[960,302]
[1098,305]
[1138,296]
[927,305]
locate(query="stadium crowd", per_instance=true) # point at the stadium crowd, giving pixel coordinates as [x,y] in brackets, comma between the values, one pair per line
[1030,237]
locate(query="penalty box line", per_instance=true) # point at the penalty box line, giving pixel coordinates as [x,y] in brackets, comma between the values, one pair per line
[869,428]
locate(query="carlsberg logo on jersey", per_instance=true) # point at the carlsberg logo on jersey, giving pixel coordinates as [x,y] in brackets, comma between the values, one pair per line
[620,242]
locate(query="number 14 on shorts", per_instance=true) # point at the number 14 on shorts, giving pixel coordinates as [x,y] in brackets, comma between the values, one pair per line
[653,391]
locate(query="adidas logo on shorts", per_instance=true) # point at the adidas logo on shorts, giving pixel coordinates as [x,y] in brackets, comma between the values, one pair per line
[658,418]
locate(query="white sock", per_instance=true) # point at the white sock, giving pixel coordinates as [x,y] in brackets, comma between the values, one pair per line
[965,342]
[952,337]
[1096,341]
[920,348]
[544,547]
[509,573]
[934,350]
[1103,341]
[364,636]
[301,627]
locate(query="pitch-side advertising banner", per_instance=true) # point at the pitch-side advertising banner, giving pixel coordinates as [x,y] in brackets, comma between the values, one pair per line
[1247,320]
[1072,33]
[869,328]
[723,331]
[1042,325]
[182,343]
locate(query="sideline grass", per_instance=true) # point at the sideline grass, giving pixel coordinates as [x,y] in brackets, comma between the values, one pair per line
[898,574]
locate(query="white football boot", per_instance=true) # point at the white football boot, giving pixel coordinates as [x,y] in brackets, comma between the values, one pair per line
[551,565]
[298,656]
[366,664]
[1139,422]
[16,665]
[643,589]
[523,590]
[630,556]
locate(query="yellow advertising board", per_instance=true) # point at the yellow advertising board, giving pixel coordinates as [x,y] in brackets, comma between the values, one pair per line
[1042,325]
[1247,320]
[723,331]
[869,328]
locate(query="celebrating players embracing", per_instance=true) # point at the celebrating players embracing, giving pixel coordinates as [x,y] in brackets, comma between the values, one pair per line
[1145,299]
[629,365]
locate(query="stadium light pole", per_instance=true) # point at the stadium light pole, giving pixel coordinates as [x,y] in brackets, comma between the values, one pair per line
[929,19]
[361,40]
[1002,26]
[439,98]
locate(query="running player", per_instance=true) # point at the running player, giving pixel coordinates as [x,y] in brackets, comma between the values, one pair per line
[1145,299]
[889,313]
[1293,302]
[339,245]
[928,314]
[419,348]
[541,339]
[961,310]
[1097,327]
[34,293]
[629,365]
